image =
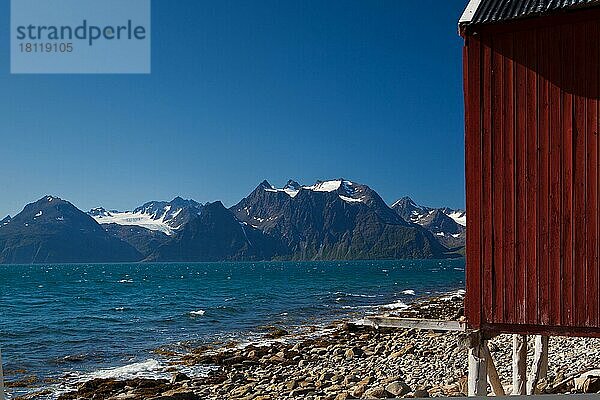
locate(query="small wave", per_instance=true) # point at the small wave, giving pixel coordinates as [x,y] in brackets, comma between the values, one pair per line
[198,312]
[395,306]
[409,292]
[125,281]
[150,368]
[355,295]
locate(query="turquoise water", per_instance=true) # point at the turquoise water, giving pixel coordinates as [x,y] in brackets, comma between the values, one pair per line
[68,319]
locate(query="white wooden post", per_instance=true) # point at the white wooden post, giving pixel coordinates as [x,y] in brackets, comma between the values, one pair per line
[1,378]
[477,384]
[540,363]
[492,372]
[519,365]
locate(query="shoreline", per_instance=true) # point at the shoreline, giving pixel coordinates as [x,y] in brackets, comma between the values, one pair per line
[337,362]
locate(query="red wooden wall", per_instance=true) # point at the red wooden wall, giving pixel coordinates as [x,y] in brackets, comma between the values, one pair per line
[532,169]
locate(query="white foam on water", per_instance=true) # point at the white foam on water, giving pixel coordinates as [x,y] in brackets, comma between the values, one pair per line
[409,292]
[395,306]
[198,312]
[355,295]
[151,369]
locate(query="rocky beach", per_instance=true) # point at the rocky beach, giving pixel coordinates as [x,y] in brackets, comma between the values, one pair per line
[347,361]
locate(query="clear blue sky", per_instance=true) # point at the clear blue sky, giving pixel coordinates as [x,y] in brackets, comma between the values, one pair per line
[242,91]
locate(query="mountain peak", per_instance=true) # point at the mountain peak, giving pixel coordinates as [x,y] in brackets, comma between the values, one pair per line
[48,199]
[292,184]
[99,211]
[405,202]
[265,185]
[54,230]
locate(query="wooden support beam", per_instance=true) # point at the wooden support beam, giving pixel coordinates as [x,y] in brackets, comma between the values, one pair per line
[519,365]
[477,384]
[492,372]
[413,323]
[540,363]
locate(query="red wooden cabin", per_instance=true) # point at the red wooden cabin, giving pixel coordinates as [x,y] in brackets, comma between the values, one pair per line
[532,83]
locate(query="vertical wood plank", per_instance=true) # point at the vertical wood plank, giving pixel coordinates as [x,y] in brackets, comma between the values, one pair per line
[591,74]
[497,171]
[486,195]
[555,176]
[509,184]
[567,176]
[579,176]
[520,171]
[531,132]
[543,195]
[596,265]
[472,87]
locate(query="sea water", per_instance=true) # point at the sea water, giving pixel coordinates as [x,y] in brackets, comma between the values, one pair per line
[75,322]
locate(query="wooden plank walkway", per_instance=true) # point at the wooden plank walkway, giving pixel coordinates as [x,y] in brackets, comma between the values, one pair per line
[409,323]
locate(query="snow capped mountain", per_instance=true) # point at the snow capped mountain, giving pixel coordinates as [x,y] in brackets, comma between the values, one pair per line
[412,212]
[162,216]
[409,210]
[334,219]
[448,225]
[348,191]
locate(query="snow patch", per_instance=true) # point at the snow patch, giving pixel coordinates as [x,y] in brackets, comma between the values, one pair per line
[137,219]
[350,199]
[289,191]
[327,186]
[460,217]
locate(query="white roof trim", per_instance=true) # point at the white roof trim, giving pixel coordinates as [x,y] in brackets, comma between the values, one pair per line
[469,12]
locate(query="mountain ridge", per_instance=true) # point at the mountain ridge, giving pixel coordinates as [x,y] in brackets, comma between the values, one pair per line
[447,224]
[328,220]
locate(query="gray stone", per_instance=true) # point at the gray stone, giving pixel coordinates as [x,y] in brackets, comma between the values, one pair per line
[397,388]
